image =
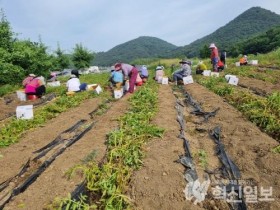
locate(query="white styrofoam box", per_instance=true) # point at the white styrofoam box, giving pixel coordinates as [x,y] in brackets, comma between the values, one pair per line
[98,89]
[187,80]
[159,79]
[214,74]
[118,93]
[54,84]
[21,95]
[164,81]
[237,64]
[233,80]
[206,73]
[228,76]
[253,62]
[24,112]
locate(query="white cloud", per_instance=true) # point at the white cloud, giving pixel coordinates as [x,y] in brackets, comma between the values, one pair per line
[102,24]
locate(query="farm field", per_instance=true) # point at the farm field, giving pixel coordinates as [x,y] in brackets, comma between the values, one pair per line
[153,179]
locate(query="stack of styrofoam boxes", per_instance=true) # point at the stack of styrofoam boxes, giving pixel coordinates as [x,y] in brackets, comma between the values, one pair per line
[232,79]
[24,112]
[188,80]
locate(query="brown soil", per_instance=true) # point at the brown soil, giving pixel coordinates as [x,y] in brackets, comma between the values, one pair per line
[53,182]
[9,103]
[159,184]
[258,86]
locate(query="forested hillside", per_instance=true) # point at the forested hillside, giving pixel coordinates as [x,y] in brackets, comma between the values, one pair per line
[252,22]
[142,47]
[262,43]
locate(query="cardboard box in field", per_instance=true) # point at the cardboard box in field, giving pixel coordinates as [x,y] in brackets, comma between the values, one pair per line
[187,80]
[24,112]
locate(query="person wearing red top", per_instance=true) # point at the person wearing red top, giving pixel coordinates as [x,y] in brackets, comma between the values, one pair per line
[221,65]
[214,57]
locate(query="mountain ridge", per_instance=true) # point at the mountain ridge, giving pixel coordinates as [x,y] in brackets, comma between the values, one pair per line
[250,23]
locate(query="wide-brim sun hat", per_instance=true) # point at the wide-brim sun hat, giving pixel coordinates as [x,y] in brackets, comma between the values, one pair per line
[185,61]
[159,68]
[212,45]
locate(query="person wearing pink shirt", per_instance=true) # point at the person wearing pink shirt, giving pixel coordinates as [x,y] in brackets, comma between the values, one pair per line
[35,87]
[130,72]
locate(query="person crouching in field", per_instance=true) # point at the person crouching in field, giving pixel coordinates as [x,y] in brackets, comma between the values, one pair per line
[244,60]
[130,72]
[74,84]
[28,79]
[200,67]
[184,71]
[116,78]
[35,87]
[159,73]
[221,65]
[144,74]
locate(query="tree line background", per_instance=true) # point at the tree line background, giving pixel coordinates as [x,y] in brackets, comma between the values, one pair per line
[19,58]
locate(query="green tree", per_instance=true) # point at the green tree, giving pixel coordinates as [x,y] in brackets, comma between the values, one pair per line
[6,33]
[204,52]
[81,57]
[62,60]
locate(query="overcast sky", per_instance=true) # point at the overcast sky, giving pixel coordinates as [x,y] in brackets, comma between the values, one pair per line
[100,25]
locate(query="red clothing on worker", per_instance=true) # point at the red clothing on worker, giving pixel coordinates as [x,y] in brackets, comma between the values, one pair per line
[214,53]
[128,71]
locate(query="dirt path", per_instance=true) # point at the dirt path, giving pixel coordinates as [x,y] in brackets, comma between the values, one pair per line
[9,103]
[249,148]
[160,183]
[53,183]
[258,86]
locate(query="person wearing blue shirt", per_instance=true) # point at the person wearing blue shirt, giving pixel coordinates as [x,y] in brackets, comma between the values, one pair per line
[116,78]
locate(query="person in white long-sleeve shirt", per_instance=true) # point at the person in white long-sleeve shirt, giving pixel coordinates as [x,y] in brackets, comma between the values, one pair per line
[73,84]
